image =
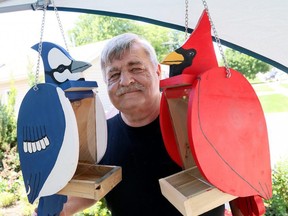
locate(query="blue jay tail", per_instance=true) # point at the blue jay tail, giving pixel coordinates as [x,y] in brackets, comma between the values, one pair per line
[51,205]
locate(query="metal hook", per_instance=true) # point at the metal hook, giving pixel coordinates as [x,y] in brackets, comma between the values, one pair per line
[40,4]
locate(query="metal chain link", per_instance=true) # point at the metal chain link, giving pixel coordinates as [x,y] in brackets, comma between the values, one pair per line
[60,25]
[228,72]
[186,19]
[35,87]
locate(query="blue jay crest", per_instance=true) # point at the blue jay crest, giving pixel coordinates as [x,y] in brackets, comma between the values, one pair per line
[48,141]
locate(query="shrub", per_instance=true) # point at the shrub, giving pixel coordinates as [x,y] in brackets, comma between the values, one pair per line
[7,199]
[11,171]
[278,204]
[99,209]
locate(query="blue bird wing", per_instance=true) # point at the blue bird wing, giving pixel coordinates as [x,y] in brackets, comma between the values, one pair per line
[51,205]
[40,133]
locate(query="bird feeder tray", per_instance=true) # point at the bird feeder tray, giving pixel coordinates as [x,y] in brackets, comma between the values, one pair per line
[191,194]
[92,181]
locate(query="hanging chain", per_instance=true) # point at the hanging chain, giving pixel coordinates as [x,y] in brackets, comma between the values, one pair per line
[60,25]
[186,19]
[228,72]
[35,87]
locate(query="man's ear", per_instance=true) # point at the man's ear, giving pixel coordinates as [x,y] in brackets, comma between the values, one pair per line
[159,70]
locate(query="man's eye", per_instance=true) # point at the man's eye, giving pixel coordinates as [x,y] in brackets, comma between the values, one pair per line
[137,70]
[114,76]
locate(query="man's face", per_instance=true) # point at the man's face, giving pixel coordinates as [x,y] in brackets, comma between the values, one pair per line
[133,81]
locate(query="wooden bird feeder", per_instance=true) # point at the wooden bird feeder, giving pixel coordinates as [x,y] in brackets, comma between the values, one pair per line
[90,180]
[187,190]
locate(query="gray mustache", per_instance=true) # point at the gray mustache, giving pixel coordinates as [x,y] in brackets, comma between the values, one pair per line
[130,88]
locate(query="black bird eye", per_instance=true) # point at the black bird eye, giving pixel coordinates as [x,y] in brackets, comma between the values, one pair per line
[61,68]
[191,52]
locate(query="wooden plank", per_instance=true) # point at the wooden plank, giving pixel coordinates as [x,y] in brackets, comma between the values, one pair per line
[205,201]
[85,115]
[172,194]
[178,111]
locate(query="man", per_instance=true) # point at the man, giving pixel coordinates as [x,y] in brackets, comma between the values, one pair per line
[132,74]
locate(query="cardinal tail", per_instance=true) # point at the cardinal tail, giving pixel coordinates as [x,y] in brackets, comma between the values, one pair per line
[51,205]
[250,206]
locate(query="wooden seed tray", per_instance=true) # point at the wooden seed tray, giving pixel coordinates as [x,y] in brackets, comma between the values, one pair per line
[92,181]
[191,194]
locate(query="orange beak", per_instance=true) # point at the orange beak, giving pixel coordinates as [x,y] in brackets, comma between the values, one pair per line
[173,58]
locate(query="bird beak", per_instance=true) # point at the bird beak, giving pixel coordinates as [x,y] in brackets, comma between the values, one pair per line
[79,66]
[172,59]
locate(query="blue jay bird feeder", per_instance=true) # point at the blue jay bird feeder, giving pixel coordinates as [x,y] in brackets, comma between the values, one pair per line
[62,135]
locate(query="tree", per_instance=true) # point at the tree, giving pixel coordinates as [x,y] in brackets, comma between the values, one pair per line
[92,28]
[245,64]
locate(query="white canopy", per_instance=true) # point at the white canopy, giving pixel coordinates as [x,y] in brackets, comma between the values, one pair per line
[258,27]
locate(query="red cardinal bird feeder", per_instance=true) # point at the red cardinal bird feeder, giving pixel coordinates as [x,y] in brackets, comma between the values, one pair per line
[215,124]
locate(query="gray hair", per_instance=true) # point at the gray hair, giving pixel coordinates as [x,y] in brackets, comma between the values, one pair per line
[117,46]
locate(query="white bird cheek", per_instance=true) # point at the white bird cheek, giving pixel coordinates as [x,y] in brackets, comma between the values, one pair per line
[61,77]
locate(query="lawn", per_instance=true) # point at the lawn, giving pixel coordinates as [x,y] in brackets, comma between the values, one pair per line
[271,100]
[274,103]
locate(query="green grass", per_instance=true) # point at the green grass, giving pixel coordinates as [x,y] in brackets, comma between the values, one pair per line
[271,100]
[284,85]
[274,103]
[262,88]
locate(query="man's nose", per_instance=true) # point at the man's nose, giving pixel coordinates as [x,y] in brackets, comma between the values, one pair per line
[126,78]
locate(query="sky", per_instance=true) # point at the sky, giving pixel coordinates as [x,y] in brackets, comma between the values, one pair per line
[23,27]
[21,30]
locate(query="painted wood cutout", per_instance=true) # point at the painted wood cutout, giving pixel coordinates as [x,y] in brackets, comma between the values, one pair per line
[223,165]
[48,141]
[228,134]
[59,66]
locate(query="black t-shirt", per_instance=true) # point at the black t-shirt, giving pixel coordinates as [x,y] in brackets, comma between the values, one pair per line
[141,153]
